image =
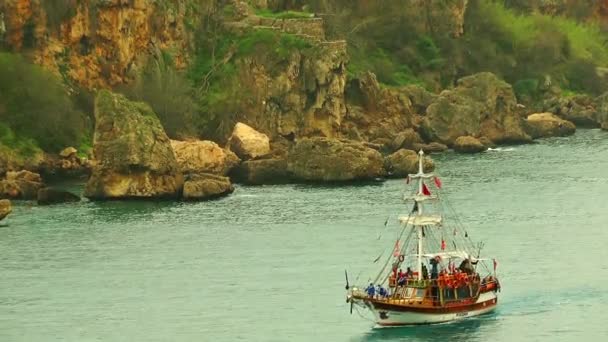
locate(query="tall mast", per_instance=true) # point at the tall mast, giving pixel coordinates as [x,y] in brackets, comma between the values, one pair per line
[419,213]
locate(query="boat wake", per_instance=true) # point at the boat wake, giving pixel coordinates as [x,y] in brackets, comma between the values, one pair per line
[501,149]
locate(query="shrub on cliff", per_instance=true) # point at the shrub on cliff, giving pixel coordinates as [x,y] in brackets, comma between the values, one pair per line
[35,105]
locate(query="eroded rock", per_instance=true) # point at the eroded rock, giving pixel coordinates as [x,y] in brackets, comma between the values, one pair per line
[248,143]
[324,159]
[203,157]
[404,162]
[468,144]
[544,125]
[48,196]
[263,171]
[133,155]
[5,208]
[206,186]
[21,185]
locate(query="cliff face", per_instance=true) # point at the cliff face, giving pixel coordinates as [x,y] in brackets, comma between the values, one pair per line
[97,43]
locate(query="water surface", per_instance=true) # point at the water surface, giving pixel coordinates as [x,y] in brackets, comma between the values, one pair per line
[267,263]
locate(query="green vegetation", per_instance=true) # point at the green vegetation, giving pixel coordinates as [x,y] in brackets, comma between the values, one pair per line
[266,13]
[35,109]
[416,44]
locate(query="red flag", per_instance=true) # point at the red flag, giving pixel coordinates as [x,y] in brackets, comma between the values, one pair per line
[397,249]
[495,264]
[442,244]
[437,182]
[425,190]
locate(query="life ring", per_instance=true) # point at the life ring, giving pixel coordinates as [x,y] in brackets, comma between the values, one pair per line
[401,258]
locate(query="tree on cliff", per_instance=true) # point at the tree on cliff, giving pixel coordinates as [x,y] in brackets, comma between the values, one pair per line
[35,104]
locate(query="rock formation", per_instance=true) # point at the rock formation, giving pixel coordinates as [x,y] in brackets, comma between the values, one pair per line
[404,162]
[543,125]
[324,159]
[248,143]
[264,171]
[480,105]
[133,155]
[5,208]
[205,186]
[21,185]
[48,196]
[202,156]
[468,144]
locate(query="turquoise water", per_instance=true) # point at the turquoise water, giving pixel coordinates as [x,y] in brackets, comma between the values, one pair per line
[267,263]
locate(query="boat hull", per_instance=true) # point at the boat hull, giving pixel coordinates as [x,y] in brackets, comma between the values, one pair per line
[392,316]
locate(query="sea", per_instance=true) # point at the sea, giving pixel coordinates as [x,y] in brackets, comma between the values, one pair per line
[267,263]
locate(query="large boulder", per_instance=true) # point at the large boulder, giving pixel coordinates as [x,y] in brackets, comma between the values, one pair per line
[263,171]
[21,185]
[602,110]
[406,139]
[248,143]
[5,208]
[206,186]
[325,159]
[543,125]
[47,196]
[404,162]
[429,148]
[68,152]
[480,105]
[133,154]
[468,144]
[579,109]
[203,157]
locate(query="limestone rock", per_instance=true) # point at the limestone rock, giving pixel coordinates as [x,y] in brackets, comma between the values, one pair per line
[47,196]
[543,125]
[203,157]
[602,110]
[579,109]
[5,208]
[248,143]
[263,171]
[404,162]
[68,152]
[21,185]
[468,144]
[433,147]
[133,155]
[419,97]
[206,186]
[481,105]
[324,159]
[406,139]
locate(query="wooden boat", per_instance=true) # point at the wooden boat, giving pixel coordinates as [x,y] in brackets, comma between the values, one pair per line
[416,296]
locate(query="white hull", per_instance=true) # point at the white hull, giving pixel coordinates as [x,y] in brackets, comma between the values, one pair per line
[486,303]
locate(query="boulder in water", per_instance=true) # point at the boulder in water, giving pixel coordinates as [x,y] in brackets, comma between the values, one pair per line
[133,154]
[325,159]
[248,143]
[404,162]
[543,125]
[263,171]
[5,208]
[47,196]
[468,144]
[406,139]
[21,185]
[206,186]
[480,105]
[203,156]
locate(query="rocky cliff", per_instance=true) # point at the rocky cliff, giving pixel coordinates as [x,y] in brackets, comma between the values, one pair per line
[98,43]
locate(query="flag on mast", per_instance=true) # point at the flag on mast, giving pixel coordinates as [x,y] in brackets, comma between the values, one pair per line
[425,190]
[437,182]
[495,264]
[442,244]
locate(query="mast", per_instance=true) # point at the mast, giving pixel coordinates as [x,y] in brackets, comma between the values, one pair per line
[419,213]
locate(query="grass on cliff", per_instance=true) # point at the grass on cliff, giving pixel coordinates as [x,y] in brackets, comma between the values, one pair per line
[266,13]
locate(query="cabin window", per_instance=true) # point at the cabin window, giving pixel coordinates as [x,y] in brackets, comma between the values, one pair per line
[420,293]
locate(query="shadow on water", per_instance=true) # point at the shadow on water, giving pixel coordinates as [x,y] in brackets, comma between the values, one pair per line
[456,331]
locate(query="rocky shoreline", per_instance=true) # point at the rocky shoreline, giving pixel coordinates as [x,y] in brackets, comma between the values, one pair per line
[133,158]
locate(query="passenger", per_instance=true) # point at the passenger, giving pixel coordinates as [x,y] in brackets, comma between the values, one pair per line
[409,273]
[402,279]
[434,272]
[425,272]
[371,290]
[400,274]
[381,291]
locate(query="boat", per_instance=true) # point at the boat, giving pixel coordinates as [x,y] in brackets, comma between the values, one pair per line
[457,284]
